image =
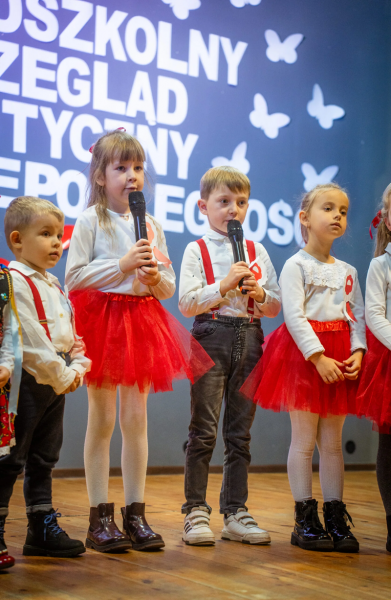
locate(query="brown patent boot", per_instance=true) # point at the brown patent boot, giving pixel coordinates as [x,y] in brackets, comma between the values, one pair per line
[138,530]
[103,534]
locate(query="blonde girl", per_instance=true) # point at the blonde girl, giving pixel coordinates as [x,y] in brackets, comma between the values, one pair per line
[116,285]
[311,364]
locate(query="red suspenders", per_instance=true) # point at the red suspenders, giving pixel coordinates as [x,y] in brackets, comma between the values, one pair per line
[210,278]
[38,303]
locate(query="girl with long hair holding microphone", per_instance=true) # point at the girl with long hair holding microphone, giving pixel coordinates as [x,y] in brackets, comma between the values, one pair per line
[116,285]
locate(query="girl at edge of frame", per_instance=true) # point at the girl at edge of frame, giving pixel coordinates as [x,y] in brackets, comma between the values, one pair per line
[374,393]
[115,285]
[310,368]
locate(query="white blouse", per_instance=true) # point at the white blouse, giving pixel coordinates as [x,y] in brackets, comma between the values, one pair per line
[314,290]
[93,257]
[196,297]
[378,297]
[40,357]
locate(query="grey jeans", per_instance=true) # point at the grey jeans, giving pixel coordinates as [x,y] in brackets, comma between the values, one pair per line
[235,345]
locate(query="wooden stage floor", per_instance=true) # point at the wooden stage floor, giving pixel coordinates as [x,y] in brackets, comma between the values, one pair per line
[228,571]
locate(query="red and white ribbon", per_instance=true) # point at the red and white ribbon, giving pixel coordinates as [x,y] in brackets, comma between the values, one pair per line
[348,293]
[258,269]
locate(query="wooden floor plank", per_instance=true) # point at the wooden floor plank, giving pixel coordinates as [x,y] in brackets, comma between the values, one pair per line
[229,570]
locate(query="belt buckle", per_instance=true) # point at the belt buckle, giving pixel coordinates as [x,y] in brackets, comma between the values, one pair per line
[214,315]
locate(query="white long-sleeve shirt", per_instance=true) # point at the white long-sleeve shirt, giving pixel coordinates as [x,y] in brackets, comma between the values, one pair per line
[93,257]
[7,359]
[314,290]
[197,297]
[378,297]
[40,357]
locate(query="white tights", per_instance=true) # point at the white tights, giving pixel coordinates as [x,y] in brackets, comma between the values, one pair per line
[134,458]
[308,429]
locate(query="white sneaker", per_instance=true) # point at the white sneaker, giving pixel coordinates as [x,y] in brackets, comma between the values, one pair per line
[196,530]
[241,527]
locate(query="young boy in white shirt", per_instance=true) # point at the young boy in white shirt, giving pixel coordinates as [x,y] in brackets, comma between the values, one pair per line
[228,326]
[53,365]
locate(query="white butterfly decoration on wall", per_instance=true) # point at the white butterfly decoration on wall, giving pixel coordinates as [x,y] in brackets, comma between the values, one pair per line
[312,178]
[270,124]
[181,8]
[241,3]
[325,114]
[286,50]
[238,160]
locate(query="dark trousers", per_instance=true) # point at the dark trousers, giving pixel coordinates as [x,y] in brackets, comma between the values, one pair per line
[235,345]
[38,435]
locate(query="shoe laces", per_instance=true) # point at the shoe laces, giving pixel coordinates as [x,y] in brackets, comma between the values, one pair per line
[51,524]
[311,516]
[342,516]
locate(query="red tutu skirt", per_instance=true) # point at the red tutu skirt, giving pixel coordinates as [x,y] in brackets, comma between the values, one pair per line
[134,340]
[374,392]
[284,381]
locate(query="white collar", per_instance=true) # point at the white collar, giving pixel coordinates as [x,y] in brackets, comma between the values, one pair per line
[14,264]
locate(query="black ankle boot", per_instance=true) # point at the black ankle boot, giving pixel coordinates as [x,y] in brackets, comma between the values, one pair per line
[138,530]
[336,519]
[388,544]
[6,561]
[308,532]
[46,538]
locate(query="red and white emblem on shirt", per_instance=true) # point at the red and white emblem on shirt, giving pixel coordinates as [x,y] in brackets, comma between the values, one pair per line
[348,293]
[258,269]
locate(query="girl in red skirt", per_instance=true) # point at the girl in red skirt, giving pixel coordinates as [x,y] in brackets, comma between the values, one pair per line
[310,366]
[374,394]
[115,285]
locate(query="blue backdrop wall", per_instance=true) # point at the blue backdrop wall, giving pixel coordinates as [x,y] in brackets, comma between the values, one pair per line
[291,92]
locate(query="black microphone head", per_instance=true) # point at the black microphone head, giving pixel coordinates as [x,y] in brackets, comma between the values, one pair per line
[136,202]
[234,228]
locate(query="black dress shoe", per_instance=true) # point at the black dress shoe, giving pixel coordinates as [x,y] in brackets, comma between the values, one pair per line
[336,519]
[308,533]
[138,530]
[46,538]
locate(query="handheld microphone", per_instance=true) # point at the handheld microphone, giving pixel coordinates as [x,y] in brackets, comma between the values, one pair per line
[235,234]
[138,209]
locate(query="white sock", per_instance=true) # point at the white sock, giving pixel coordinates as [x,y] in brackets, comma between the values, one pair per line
[331,464]
[134,459]
[100,427]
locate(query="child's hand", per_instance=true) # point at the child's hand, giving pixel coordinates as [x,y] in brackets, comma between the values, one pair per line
[253,289]
[149,275]
[4,375]
[78,346]
[328,368]
[74,385]
[139,255]
[353,364]
[236,273]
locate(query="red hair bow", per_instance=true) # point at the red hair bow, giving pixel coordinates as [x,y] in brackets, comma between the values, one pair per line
[118,129]
[375,222]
